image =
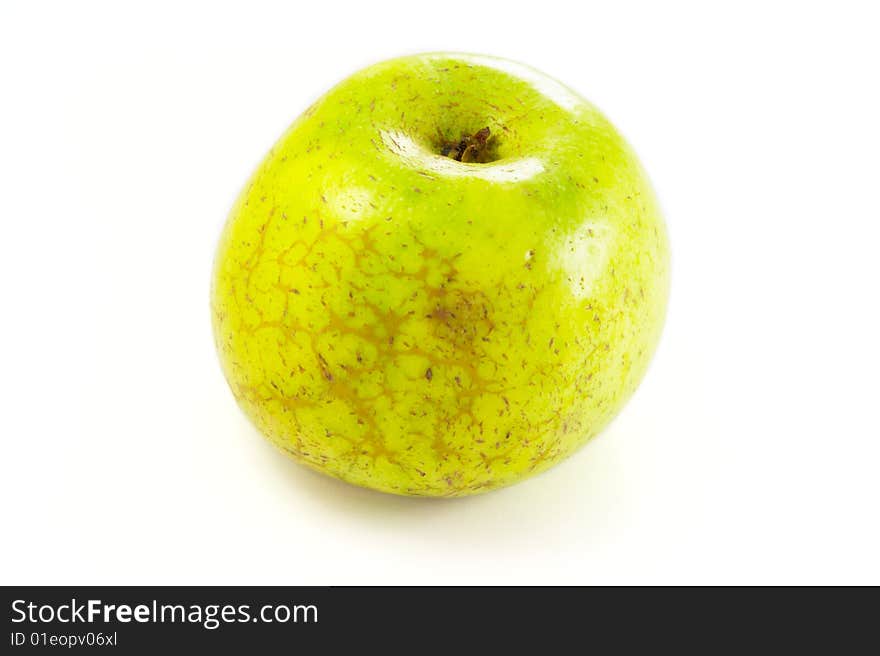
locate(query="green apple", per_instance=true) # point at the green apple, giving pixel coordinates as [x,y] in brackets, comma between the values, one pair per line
[448,275]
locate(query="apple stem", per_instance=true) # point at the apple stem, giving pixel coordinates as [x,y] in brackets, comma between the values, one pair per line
[469,148]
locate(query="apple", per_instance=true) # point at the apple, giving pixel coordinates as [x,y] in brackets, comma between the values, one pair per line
[448,274]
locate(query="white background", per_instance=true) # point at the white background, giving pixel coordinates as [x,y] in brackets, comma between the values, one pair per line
[750,454]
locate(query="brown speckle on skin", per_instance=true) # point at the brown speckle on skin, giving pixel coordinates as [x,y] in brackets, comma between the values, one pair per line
[325,370]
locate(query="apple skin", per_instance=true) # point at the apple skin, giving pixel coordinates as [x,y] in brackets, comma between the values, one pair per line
[424,326]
